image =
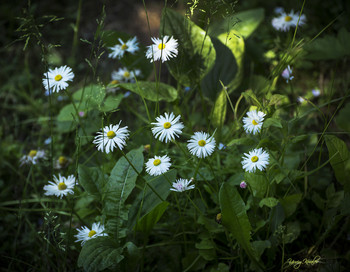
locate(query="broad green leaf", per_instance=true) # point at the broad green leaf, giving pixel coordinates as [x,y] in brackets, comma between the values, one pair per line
[90,96]
[111,103]
[235,219]
[257,182]
[147,222]
[120,184]
[260,246]
[151,90]
[342,118]
[68,112]
[225,68]
[269,202]
[196,53]
[241,141]
[99,254]
[339,154]
[147,200]
[219,112]
[292,232]
[272,122]
[276,217]
[330,47]
[251,98]
[290,203]
[206,249]
[91,178]
[244,22]
[278,100]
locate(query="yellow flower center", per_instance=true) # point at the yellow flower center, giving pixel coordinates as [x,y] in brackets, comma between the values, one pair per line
[156,162]
[288,18]
[161,46]
[126,74]
[255,122]
[201,143]
[254,159]
[58,77]
[91,233]
[32,153]
[167,125]
[124,47]
[62,186]
[111,134]
[62,160]
[114,81]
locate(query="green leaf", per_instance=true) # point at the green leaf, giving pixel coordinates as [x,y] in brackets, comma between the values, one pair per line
[91,178]
[206,249]
[90,96]
[148,221]
[244,22]
[151,90]
[290,203]
[241,141]
[257,182]
[251,98]
[99,253]
[196,52]
[120,184]
[111,103]
[68,113]
[225,68]
[342,118]
[272,122]
[269,202]
[235,219]
[260,246]
[292,232]
[219,112]
[147,200]
[338,154]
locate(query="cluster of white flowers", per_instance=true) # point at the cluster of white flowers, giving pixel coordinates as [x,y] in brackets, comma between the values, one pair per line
[257,158]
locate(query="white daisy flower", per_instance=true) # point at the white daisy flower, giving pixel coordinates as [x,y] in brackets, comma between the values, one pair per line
[257,158]
[60,186]
[110,137]
[124,75]
[57,78]
[163,49]
[254,121]
[85,234]
[120,49]
[287,20]
[316,92]
[287,74]
[201,144]
[167,127]
[33,157]
[158,165]
[182,185]
[62,162]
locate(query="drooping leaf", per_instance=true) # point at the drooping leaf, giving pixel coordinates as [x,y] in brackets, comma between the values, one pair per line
[260,246]
[219,112]
[151,90]
[120,184]
[257,182]
[272,122]
[148,200]
[196,53]
[111,103]
[91,178]
[206,249]
[244,22]
[225,68]
[339,155]
[148,221]
[235,219]
[269,202]
[99,254]
[290,203]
